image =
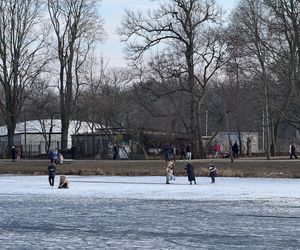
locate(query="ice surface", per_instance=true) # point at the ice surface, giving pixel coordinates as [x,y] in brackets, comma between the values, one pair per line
[155,188]
[145,213]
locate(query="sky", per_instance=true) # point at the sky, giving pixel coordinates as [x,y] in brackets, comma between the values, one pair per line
[112,12]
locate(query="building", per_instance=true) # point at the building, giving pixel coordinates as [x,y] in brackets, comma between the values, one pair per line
[33,136]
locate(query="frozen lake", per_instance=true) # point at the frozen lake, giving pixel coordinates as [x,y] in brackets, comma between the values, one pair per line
[144,213]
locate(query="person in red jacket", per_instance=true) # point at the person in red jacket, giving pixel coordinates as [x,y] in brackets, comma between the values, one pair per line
[216,149]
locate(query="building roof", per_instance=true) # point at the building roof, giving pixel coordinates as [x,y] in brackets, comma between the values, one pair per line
[36,126]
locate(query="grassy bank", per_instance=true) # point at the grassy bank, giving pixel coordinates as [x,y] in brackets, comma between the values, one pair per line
[239,168]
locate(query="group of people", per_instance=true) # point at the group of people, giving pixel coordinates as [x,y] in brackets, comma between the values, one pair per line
[56,158]
[169,153]
[170,175]
[234,149]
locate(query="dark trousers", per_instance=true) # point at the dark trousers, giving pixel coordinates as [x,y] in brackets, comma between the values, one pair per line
[182,156]
[293,154]
[51,180]
[212,178]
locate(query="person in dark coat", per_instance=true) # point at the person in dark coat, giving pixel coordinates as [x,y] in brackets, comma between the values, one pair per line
[182,152]
[212,171]
[191,174]
[235,150]
[51,173]
[73,151]
[293,151]
[13,153]
[166,153]
[115,148]
[172,154]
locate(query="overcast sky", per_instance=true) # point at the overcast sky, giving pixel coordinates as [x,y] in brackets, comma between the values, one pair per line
[113,10]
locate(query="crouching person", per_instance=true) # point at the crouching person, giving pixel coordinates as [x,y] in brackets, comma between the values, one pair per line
[169,172]
[212,171]
[191,174]
[63,182]
[51,173]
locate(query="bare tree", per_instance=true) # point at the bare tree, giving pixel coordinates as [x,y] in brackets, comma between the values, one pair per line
[285,25]
[21,59]
[267,41]
[189,30]
[250,28]
[77,26]
[43,105]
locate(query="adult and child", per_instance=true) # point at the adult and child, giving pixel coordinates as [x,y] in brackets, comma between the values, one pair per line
[63,181]
[15,153]
[56,158]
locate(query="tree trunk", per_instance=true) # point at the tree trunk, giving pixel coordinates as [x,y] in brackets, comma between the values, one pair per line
[64,132]
[11,126]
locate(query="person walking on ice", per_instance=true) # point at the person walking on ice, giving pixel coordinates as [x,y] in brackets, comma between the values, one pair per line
[212,171]
[170,172]
[191,174]
[51,173]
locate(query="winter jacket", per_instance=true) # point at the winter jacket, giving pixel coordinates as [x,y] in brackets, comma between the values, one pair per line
[170,168]
[212,170]
[51,169]
[190,171]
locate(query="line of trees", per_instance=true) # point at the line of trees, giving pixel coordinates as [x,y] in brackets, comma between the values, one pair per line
[185,61]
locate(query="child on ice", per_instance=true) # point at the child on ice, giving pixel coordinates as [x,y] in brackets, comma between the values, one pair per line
[63,182]
[212,171]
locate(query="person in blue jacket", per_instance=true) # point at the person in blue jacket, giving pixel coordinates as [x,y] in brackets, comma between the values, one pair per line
[51,155]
